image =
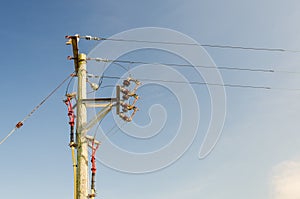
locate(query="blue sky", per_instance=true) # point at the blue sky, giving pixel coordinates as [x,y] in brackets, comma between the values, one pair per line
[257,155]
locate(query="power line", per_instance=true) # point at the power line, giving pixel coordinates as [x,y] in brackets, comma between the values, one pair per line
[192,44]
[209,84]
[203,66]
[183,65]
[264,70]
[195,83]
[68,85]
[20,124]
[286,71]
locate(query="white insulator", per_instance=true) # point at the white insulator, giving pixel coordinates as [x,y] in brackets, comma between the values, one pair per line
[124,90]
[125,97]
[126,82]
[88,37]
[94,86]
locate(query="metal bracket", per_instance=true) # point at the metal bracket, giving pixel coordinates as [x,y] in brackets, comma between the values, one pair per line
[98,117]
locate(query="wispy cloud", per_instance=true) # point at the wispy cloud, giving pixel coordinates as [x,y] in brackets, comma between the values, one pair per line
[286,181]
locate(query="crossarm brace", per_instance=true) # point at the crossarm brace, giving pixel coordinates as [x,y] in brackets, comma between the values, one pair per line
[100,115]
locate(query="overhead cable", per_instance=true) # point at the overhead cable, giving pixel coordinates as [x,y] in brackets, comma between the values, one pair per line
[183,65]
[209,84]
[265,70]
[191,44]
[194,82]
[20,124]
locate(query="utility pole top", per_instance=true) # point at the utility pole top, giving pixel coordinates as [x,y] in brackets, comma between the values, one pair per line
[73,40]
[123,109]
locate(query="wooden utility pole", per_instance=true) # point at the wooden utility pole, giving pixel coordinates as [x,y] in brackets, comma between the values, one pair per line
[82,144]
[83,126]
